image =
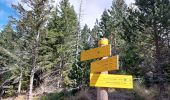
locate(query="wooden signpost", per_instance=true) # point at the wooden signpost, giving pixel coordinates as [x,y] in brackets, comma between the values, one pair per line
[108,64]
[99,76]
[110,80]
[96,53]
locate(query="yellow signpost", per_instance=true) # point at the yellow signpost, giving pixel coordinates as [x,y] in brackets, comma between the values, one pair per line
[99,76]
[96,53]
[108,64]
[110,80]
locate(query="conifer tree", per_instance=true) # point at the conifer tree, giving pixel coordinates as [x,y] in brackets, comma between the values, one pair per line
[63,29]
[31,27]
[154,15]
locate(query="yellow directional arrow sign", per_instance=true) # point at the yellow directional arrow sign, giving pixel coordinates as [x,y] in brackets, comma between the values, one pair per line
[96,53]
[113,81]
[108,64]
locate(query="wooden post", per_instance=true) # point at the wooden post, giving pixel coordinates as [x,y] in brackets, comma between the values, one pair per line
[102,93]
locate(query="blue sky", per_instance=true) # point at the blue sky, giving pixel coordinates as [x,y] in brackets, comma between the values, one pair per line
[5,11]
[91,9]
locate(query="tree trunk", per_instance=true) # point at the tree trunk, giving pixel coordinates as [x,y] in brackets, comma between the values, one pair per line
[33,69]
[159,70]
[32,73]
[31,85]
[20,84]
[34,64]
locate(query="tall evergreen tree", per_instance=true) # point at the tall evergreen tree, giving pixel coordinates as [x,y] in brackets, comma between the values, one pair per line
[81,70]
[63,26]
[148,25]
[111,24]
[31,25]
[153,15]
[85,34]
[11,63]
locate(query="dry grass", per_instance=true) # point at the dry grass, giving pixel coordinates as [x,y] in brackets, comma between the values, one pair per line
[140,92]
[81,95]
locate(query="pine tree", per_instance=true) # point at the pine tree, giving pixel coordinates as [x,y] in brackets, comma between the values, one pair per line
[63,26]
[111,24]
[146,28]
[154,15]
[10,62]
[106,24]
[81,70]
[31,26]
[85,35]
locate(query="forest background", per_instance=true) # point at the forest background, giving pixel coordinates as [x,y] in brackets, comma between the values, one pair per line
[40,49]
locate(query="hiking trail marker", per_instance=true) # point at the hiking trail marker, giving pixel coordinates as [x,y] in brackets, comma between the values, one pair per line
[108,64]
[111,80]
[99,76]
[96,53]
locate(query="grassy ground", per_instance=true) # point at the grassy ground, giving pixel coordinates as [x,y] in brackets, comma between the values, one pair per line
[138,93]
[63,95]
